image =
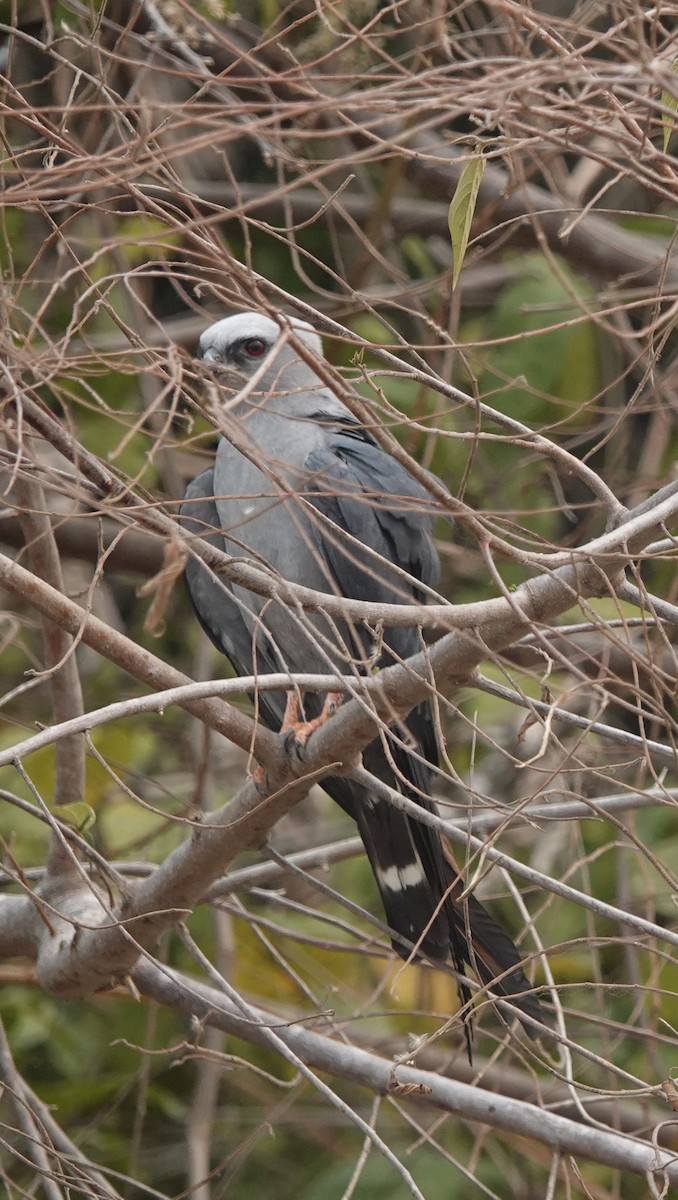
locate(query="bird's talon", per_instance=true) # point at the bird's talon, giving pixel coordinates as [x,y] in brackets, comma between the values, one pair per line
[295,740]
[298,747]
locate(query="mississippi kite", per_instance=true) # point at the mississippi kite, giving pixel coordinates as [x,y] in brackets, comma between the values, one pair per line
[300,487]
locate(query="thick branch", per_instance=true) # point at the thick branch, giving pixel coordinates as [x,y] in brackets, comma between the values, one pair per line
[379,1075]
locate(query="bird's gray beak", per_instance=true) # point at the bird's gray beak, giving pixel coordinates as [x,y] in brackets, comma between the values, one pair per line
[209,356]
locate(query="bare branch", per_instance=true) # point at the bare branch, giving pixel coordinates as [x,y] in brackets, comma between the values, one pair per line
[348,1062]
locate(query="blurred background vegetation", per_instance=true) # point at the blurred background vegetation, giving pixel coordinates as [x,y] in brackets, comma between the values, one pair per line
[166,163]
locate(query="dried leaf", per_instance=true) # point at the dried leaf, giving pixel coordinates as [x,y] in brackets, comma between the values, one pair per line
[160,587]
[396,1088]
[670,1094]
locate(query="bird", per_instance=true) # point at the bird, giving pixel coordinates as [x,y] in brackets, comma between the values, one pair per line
[300,487]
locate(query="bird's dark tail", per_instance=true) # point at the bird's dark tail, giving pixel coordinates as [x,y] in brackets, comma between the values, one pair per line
[422,894]
[490,951]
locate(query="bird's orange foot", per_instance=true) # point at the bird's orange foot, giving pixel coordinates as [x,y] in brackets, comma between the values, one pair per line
[296,731]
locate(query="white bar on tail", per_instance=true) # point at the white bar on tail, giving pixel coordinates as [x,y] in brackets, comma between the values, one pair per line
[396,879]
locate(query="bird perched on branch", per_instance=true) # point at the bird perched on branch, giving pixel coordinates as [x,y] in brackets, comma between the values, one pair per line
[302,489]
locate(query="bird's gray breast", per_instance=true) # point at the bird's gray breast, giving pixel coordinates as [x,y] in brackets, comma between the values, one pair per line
[265,518]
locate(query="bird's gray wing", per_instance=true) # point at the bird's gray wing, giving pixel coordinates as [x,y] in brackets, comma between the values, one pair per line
[370,496]
[367,494]
[218,611]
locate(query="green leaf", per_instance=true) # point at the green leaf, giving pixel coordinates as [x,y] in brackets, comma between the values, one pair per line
[671,102]
[79,816]
[462,209]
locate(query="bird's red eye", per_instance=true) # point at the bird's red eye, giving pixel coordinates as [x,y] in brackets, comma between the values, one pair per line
[255,347]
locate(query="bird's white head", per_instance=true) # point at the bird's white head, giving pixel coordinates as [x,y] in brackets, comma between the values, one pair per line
[243,341]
